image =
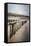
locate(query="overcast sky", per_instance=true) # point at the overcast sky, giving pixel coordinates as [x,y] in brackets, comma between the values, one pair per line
[18,9]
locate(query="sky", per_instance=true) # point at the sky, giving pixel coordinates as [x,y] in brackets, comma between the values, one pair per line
[18,9]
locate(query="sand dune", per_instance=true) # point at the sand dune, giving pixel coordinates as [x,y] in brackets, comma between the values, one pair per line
[22,34]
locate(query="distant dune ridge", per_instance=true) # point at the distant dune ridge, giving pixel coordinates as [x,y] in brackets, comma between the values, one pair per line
[14,14]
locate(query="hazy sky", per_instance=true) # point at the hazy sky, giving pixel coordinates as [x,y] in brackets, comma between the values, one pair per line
[18,9]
